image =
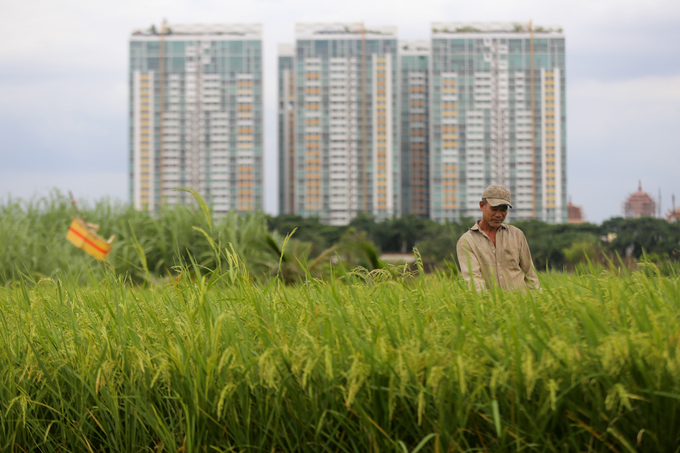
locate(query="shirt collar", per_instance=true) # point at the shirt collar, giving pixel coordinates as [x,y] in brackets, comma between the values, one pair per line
[475,227]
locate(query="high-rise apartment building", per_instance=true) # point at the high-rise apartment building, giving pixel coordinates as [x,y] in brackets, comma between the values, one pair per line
[498,117]
[196,115]
[414,87]
[338,115]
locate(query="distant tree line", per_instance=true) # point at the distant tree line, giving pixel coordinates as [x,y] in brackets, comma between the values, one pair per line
[554,246]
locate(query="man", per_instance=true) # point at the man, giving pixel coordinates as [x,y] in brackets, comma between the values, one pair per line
[492,253]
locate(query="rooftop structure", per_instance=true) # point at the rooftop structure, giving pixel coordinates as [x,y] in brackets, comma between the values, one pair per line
[338,30]
[444,28]
[242,31]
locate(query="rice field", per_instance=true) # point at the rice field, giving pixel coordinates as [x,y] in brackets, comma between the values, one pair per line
[386,361]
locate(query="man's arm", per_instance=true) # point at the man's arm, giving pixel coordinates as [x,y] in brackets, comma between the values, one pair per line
[469,265]
[527,265]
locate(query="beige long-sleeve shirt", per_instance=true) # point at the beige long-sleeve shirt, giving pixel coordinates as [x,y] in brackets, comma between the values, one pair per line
[508,264]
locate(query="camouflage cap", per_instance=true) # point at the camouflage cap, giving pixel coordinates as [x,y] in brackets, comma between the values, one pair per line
[497,195]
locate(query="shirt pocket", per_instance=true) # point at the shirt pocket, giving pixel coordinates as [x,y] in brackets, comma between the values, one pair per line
[511,259]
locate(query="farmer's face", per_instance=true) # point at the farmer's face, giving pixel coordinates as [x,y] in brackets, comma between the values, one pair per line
[493,215]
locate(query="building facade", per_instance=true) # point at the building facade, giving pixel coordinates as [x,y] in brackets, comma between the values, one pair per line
[286,120]
[414,126]
[368,123]
[338,113]
[196,116]
[498,116]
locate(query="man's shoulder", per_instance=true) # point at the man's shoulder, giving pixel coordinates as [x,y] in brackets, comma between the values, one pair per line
[465,237]
[513,231]
[513,228]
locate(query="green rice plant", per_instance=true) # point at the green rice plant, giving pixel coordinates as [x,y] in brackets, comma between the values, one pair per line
[217,361]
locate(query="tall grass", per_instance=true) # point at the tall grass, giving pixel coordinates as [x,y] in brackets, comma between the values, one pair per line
[217,362]
[32,239]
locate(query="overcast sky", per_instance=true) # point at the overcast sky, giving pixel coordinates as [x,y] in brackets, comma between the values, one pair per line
[63,85]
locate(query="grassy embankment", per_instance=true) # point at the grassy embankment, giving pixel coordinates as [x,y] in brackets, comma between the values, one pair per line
[219,362]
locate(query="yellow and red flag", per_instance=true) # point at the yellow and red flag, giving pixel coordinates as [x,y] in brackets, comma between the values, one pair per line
[84,236]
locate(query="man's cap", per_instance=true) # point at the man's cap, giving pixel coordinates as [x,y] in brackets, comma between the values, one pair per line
[497,195]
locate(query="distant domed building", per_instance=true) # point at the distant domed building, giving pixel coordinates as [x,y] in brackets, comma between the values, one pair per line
[639,204]
[574,213]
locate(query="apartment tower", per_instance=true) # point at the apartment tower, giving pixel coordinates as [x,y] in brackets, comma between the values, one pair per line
[338,139]
[195,111]
[498,116]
